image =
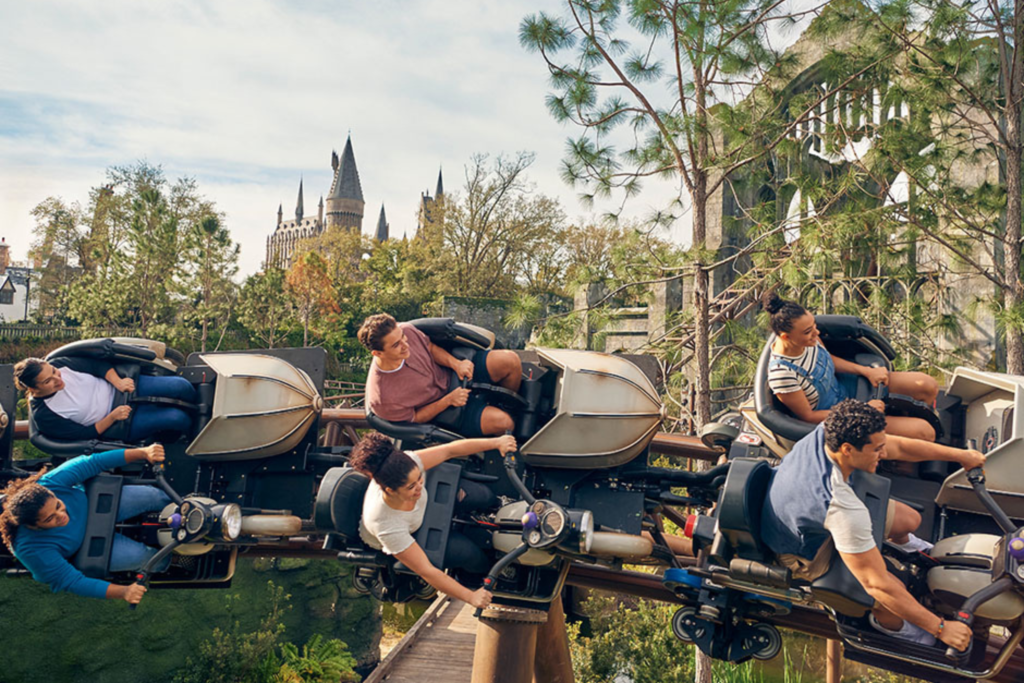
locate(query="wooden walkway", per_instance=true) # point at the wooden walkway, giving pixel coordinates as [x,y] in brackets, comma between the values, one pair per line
[437,649]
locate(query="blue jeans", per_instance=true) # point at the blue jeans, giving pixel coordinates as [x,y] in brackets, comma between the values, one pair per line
[125,554]
[148,419]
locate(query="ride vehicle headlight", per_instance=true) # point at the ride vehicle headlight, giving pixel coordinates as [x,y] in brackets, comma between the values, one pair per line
[230,521]
[586,531]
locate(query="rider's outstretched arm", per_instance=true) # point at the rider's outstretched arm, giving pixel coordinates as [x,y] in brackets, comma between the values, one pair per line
[915,450]
[415,559]
[435,455]
[890,593]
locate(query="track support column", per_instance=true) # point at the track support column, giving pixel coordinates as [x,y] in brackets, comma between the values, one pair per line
[833,661]
[506,645]
[554,664]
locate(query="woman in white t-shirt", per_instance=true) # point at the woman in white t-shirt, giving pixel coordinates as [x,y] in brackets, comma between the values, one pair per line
[802,373]
[396,501]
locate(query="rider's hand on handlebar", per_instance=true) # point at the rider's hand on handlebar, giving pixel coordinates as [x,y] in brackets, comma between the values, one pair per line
[121,413]
[464,369]
[877,404]
[505,444]
[125,384]
[154,453]
[458,397]
[956,634]
[877,376]
[481,598]
[969,459]
[133,593]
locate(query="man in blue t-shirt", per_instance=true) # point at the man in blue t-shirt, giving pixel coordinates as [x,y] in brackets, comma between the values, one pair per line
[810,511]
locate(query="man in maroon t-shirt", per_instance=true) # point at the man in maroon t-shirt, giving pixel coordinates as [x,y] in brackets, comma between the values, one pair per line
[408,379]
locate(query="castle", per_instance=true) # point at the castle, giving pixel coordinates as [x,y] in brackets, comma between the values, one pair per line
[345,206]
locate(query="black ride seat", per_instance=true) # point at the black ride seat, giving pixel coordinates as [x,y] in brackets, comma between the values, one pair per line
[104,496]
[127,360]
[462,341]
[846,336]
[738,541]
[339,506]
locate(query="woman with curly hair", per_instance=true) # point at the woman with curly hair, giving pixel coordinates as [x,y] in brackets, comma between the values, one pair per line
[802,373]
[44,518]
[396,501]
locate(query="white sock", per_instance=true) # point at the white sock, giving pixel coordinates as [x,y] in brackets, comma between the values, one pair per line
[915,544]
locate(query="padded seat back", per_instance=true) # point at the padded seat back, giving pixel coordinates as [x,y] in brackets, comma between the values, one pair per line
[103,493]
[739,507]
[448,333]
[339,501]
[845,336]
[838,587]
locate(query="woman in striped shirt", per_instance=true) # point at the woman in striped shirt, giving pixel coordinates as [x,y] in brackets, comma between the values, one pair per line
[802,373]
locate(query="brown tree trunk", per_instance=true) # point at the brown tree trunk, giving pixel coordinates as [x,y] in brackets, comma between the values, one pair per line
[1013,297]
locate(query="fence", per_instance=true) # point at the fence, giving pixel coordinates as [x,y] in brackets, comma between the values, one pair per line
[11,331]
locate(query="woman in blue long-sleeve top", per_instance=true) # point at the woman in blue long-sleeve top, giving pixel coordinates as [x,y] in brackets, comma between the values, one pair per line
[44,518]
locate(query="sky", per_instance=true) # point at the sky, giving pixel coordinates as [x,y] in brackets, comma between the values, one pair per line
[249,97]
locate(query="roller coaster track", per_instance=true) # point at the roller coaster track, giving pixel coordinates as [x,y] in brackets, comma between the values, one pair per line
[813,622]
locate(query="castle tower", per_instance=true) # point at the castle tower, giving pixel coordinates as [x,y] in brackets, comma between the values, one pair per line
[320,212]
[345,202]
[298,206]
[440,186]
[382,226]
[280,213]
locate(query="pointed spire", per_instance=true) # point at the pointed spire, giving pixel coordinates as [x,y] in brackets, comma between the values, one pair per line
[346,183]
[382,226]
[320,212]
[440,186]
[298,207]
[280,213]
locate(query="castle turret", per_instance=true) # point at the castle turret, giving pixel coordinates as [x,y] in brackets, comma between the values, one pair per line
[440,186]
[298,206]
[382,226]
[345,202]
[320,212]
[280,213]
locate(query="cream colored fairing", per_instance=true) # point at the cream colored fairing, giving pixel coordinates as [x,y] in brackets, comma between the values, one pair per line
[988,397]
[607,412]
[262,406]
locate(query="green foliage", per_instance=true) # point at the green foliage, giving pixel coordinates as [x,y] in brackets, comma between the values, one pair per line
[232,655]
[320,661]
[631,640]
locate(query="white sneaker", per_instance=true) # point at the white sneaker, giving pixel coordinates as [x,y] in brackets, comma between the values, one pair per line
[909,632]
[915,544]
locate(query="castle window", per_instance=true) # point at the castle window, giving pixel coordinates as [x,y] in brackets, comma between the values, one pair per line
[6,296]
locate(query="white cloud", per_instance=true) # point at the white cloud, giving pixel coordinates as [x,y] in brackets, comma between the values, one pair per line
[249,96]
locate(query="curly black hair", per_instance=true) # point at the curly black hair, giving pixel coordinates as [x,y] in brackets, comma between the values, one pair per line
[852,422]
[782,313]
[376,456]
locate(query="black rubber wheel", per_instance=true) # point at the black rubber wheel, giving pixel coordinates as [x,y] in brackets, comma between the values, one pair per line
[425,591]
[362,584]
[772,641]
[718,436]
[682,616]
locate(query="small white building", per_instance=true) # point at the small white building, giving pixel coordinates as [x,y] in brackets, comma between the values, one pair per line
[15,285]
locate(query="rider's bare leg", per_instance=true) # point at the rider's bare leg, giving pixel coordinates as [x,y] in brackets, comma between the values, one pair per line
[918,385]
[905,520]
[505,368]
[910,427]
[495,422]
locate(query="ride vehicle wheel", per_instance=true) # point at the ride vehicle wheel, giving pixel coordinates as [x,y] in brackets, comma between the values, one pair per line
[362,584]
[718,435]
[425,591]
[771,639]
[683,617]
